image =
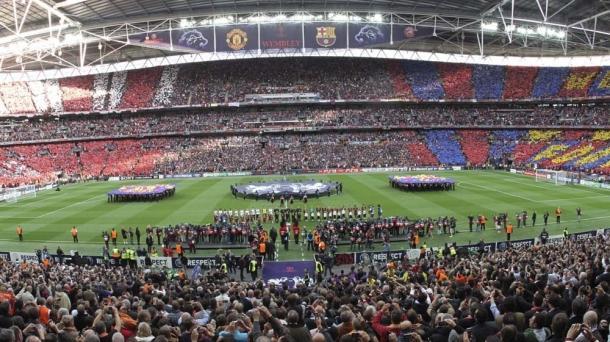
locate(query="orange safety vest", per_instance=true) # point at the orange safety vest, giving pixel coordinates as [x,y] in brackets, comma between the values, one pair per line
[24,265]
[19,230]
[74,231]
[316,239]
[483,219]
[179,248]
[416,239]
[46,263]
[322,246]
[509,229]
[558,212]
[113,234]
[262,247]
[44,314]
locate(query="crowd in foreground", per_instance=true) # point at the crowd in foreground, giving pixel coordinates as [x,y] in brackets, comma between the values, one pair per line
[552,293]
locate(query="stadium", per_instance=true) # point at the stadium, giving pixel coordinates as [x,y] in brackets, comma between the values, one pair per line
[233,159]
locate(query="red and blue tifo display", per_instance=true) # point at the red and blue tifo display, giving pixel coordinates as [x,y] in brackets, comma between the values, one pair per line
[142,193]
[419,183]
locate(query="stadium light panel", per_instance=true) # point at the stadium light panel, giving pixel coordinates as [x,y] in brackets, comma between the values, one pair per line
[489,26]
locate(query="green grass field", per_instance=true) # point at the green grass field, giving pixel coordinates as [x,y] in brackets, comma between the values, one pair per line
[47,219]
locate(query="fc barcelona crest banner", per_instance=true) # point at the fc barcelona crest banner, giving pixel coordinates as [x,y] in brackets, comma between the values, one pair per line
[368,34]
[325,35]
[236,38]
[281,36]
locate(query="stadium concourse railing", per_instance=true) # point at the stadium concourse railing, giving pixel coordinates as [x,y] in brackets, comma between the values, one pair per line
[380,257]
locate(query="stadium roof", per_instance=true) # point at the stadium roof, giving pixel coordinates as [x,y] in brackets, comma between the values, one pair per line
[74,34]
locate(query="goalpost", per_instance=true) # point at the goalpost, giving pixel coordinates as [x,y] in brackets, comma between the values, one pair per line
[552,176]
[20,193]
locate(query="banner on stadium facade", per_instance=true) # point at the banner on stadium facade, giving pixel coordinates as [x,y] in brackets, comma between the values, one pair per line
[157,39]
[281,36]
[524,243]
[198,39]
[386,169]
[551,240]
[21,257]
[156,262]
[407,32]
[236,38]
[184,175]
[353,170]
[582,235]
[289,272]
[325,35]
[380,257]
[489,247]
[368,34]
[226,174]
[203,262]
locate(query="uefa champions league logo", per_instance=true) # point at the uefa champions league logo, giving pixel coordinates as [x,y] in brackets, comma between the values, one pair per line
[286,187]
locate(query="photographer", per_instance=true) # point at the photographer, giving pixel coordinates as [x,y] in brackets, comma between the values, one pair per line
[406,334]
[196,333]
[396,316]
[100,327]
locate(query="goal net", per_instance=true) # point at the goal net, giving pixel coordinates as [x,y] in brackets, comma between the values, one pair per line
[20,193]
[552,176]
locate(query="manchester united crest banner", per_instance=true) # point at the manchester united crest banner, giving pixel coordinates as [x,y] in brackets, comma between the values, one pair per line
[236,38]
[368,34]
[281,36]
[325,35]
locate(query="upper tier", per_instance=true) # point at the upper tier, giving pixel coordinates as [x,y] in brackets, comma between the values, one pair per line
[333,79]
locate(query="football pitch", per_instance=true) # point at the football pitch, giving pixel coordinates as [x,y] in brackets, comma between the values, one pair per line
[48,218]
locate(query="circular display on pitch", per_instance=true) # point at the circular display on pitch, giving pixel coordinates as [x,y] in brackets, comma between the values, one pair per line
[287,188]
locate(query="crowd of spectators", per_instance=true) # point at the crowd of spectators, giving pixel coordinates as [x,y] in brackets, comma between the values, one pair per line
[17,98]
[424,80]
[487,83]
[579,81]
[100,91]
[549,81]
[476,153]
[445,145]
[456,80]
[519,82]
[601,85]
[117,86]
[402,88]
[306,118]
[503,144]
[140,87]
[335,79]
[165,94]
[555,292]
[76,94]
[287,151]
